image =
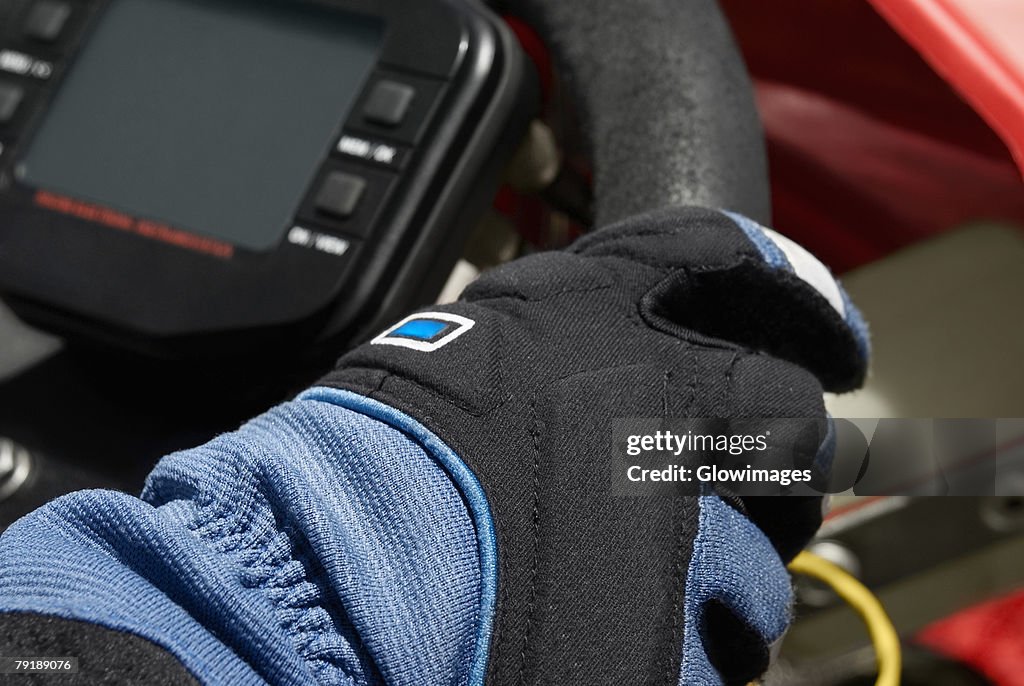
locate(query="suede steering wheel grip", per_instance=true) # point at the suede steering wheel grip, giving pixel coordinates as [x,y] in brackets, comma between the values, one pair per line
[665,100]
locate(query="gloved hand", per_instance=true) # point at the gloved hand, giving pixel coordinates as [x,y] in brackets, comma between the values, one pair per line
[681,313]
[439,510]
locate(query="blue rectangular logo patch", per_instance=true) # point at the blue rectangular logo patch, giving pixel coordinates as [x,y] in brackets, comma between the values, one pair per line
[426,331]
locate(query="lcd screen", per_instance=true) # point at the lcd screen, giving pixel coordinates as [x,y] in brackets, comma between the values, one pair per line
[209,115]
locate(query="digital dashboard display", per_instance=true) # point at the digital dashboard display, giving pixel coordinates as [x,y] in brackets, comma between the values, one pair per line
[209,115]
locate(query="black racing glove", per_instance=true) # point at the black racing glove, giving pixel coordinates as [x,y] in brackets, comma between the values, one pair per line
[679,313]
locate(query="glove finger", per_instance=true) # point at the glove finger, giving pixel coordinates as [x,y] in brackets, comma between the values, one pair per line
[759,291]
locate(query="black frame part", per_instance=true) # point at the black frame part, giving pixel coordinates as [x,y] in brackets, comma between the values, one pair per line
[94,273]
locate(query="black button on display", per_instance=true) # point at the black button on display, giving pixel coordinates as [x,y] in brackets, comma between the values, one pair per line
[388,103]
[395,108]
[340,194]
[10,98]
[46,20]
[347,198]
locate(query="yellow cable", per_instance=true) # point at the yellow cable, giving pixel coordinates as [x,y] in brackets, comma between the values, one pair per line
[883,634]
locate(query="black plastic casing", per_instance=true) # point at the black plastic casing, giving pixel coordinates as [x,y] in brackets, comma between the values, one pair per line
[67,267]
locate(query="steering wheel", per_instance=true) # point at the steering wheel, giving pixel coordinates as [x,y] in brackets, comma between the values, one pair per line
[665,102]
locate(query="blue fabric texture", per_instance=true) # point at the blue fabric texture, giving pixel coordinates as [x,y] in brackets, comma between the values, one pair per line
[328,541]
[732,562]
[472,491]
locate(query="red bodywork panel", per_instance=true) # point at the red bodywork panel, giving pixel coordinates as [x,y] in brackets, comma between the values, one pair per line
[988,637]
[870,148]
